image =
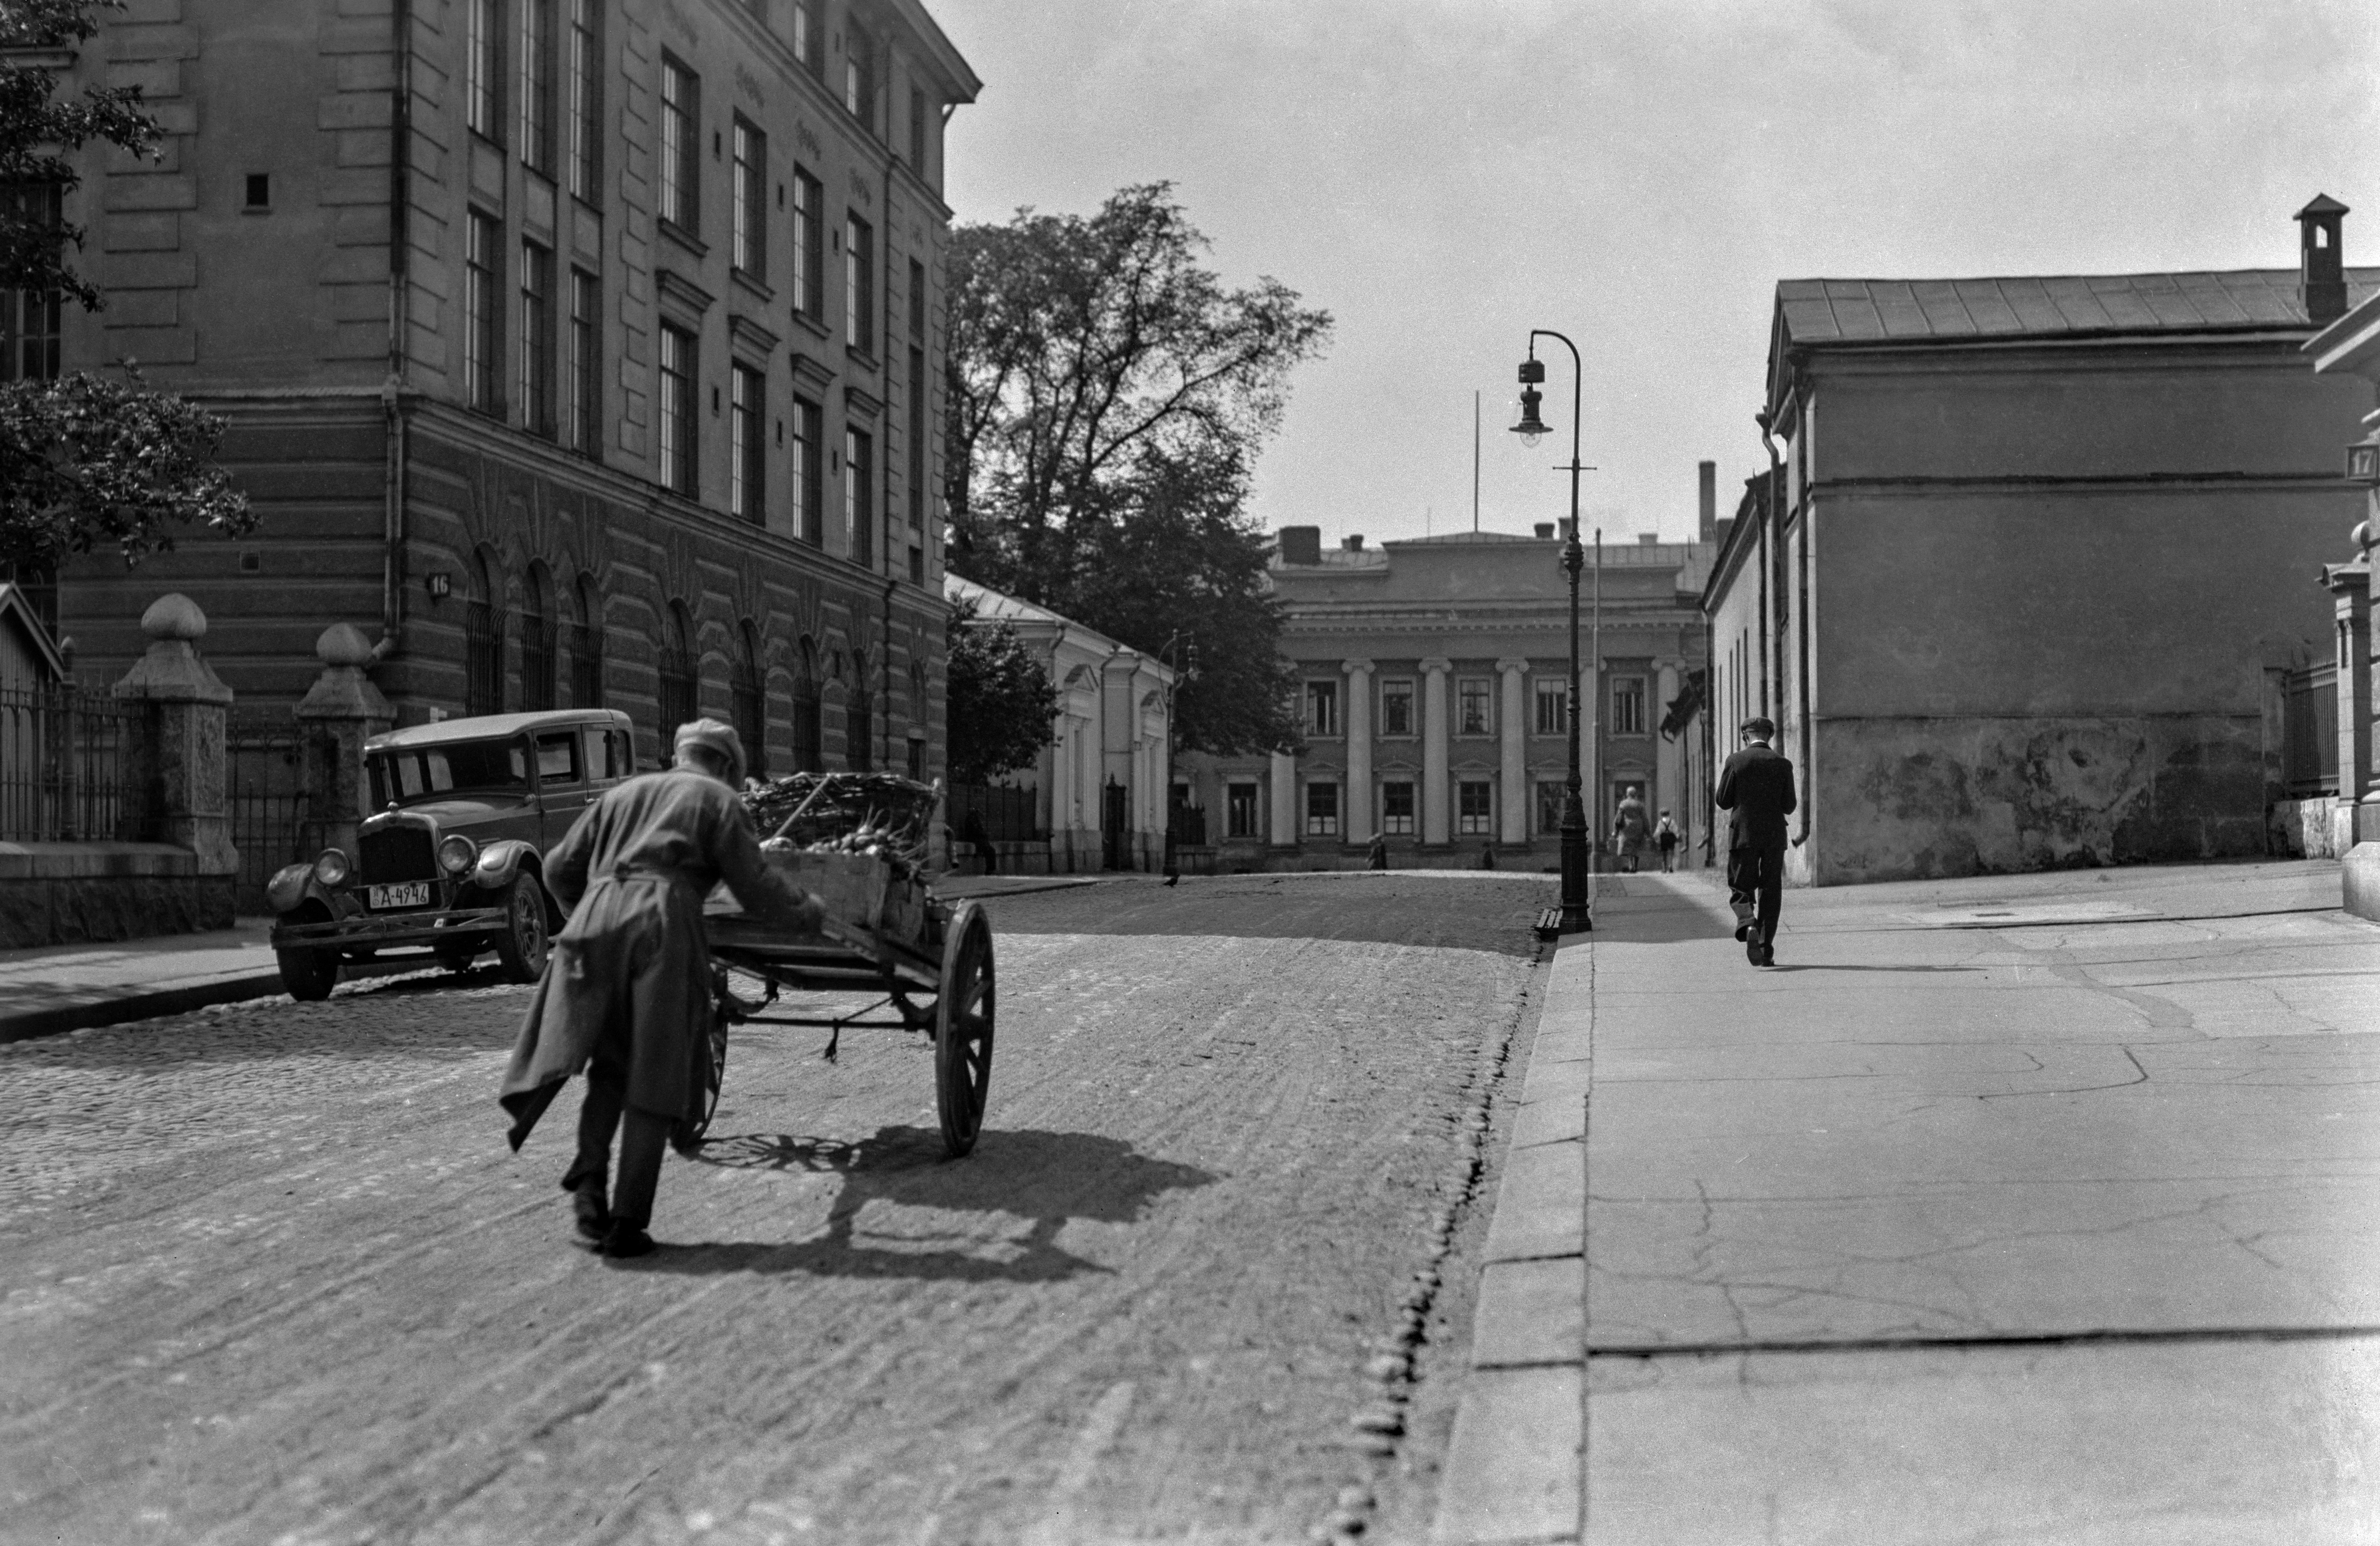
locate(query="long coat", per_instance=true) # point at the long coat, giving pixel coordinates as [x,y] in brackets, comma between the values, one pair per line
[1634,831]
[1755,788]
[630,972]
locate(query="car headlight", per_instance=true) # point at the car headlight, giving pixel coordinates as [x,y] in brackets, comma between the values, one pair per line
[332,868]
[457,853]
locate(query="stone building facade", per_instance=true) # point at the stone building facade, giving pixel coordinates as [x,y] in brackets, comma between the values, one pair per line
[2042,550]
[584,351]
[1433,680]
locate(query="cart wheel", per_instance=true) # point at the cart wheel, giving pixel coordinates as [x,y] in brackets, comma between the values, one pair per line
[687,1136]
[963,1026]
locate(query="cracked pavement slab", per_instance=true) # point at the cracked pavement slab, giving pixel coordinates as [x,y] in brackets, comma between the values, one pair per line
[1854,1223]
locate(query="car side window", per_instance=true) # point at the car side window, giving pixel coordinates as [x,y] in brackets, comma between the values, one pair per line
[599,753]
[557,758]
[623,761]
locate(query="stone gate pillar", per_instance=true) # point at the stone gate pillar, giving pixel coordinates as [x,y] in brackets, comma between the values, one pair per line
[341,710]
[181,758]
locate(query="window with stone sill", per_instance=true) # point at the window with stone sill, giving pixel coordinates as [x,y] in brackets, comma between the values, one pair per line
[1475,808]
[1396,708]
[1239,810]
[1553,707]
[1473,714]
[1397,808]
[1321,809]
[1627,706]
[1322,708]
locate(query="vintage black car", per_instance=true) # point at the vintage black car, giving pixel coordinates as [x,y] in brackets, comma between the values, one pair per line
[454,864]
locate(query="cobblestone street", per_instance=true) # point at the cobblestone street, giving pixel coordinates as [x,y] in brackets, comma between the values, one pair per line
[273,1276]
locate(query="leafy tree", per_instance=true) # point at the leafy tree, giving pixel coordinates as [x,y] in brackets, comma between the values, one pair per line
[1107,399]
[84,460]
[1000,700]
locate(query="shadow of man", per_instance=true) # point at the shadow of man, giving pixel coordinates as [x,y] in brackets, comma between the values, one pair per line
[1046,1178]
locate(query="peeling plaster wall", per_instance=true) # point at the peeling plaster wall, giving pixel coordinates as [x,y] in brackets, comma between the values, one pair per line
[1914,797]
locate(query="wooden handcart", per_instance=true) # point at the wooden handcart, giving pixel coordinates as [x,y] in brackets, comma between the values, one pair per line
[887,935]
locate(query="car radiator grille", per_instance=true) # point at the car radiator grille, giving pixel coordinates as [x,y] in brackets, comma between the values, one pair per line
[399,854]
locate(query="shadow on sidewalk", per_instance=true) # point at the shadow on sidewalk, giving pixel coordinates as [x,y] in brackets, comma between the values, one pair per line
[1046,1177]
[1828,967]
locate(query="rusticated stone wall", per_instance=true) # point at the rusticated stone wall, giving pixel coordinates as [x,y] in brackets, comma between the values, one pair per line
[90,893]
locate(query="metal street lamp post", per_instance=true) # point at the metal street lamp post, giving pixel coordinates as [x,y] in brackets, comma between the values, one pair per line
[1577,864]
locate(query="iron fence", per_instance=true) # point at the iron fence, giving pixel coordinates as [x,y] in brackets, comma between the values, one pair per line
[70,767]
[1008,815]
[266,788]
[2310,732]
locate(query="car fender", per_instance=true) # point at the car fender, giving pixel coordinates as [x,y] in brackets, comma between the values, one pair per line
[502,859]
[291,884]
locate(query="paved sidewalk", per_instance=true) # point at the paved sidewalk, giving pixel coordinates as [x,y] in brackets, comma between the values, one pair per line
[2018,1209]
[68,986]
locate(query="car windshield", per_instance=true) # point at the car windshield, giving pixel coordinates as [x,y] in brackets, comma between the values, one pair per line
[430,772]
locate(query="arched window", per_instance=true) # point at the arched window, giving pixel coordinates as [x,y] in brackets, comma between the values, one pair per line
[809,711]
[749,694]
[680,691]
[537,640]
[483,640]
[586,648]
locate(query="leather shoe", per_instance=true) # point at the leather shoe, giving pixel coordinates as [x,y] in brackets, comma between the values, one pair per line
[594,1215]
[1767,955]
[625,1240]
[1743,933]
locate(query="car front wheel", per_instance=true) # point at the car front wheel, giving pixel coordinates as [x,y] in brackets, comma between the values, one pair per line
[522,944]
[309,974]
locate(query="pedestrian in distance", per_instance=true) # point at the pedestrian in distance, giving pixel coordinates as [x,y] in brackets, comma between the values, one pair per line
[626,997]
[1633,831]
[1376,856]
[1756,789]
[1664,837]
[1488,854]
[972,832]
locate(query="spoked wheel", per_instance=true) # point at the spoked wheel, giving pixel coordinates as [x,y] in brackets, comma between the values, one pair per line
[963,1026]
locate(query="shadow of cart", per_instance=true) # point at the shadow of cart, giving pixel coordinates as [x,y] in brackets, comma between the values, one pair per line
[1048,1178]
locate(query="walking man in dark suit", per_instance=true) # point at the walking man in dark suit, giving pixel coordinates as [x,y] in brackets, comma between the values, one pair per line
[1756,790]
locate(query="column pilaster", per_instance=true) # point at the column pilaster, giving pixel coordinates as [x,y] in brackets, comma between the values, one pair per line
[1512,753]
[1357,822]
[1435,826]
[1284,799]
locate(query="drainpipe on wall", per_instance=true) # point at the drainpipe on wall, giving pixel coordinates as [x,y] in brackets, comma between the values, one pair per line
[1800,616]
[884,679]
[400,136]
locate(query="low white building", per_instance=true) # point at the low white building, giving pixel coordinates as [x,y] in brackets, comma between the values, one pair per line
[1100,785]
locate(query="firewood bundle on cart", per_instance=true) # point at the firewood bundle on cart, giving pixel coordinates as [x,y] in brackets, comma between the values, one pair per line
[858,842]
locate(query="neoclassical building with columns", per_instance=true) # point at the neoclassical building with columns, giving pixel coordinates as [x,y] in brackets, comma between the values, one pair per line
[1433,679]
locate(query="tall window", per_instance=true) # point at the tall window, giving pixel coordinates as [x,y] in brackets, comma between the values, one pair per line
[748,241]
[585,98]
[809,711]
[1321,809]
[748,703]
[809,473]
[681,158]
[809,247]
[483,50]
[29,319]
[747,466]
[681,686]
[1553,708]
[483,642]
[1475,808]
[483,313]
[1397,808]
[1322,708]
[1471,712]
[1627,705]
[1239,810]
[859,283]
[1396,708]
[858,496]
[537,338]
[584,425]
[1551,797]
[918,393]
[858,723]
[537,641]
[805,38]
[678,411]
[586,648]
[537,84]
[859,75]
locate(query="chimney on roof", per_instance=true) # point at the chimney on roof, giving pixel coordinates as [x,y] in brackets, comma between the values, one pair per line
[1545,530]
[1707,475]
[1647,539]
[1301,545]
[1354,543]
[2322,267]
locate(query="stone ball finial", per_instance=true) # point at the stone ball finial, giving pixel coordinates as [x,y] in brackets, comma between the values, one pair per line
[174,615]
[343,644]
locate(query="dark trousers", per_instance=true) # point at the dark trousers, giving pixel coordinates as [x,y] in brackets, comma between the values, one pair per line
[642,1137]
[1756,888]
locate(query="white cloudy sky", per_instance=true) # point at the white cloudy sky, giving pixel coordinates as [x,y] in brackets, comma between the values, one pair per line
[1444,175]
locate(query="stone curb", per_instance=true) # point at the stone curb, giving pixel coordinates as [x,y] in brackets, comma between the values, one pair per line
[117,1007]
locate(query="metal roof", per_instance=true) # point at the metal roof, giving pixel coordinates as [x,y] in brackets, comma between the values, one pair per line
[493,727]
[1822,311]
